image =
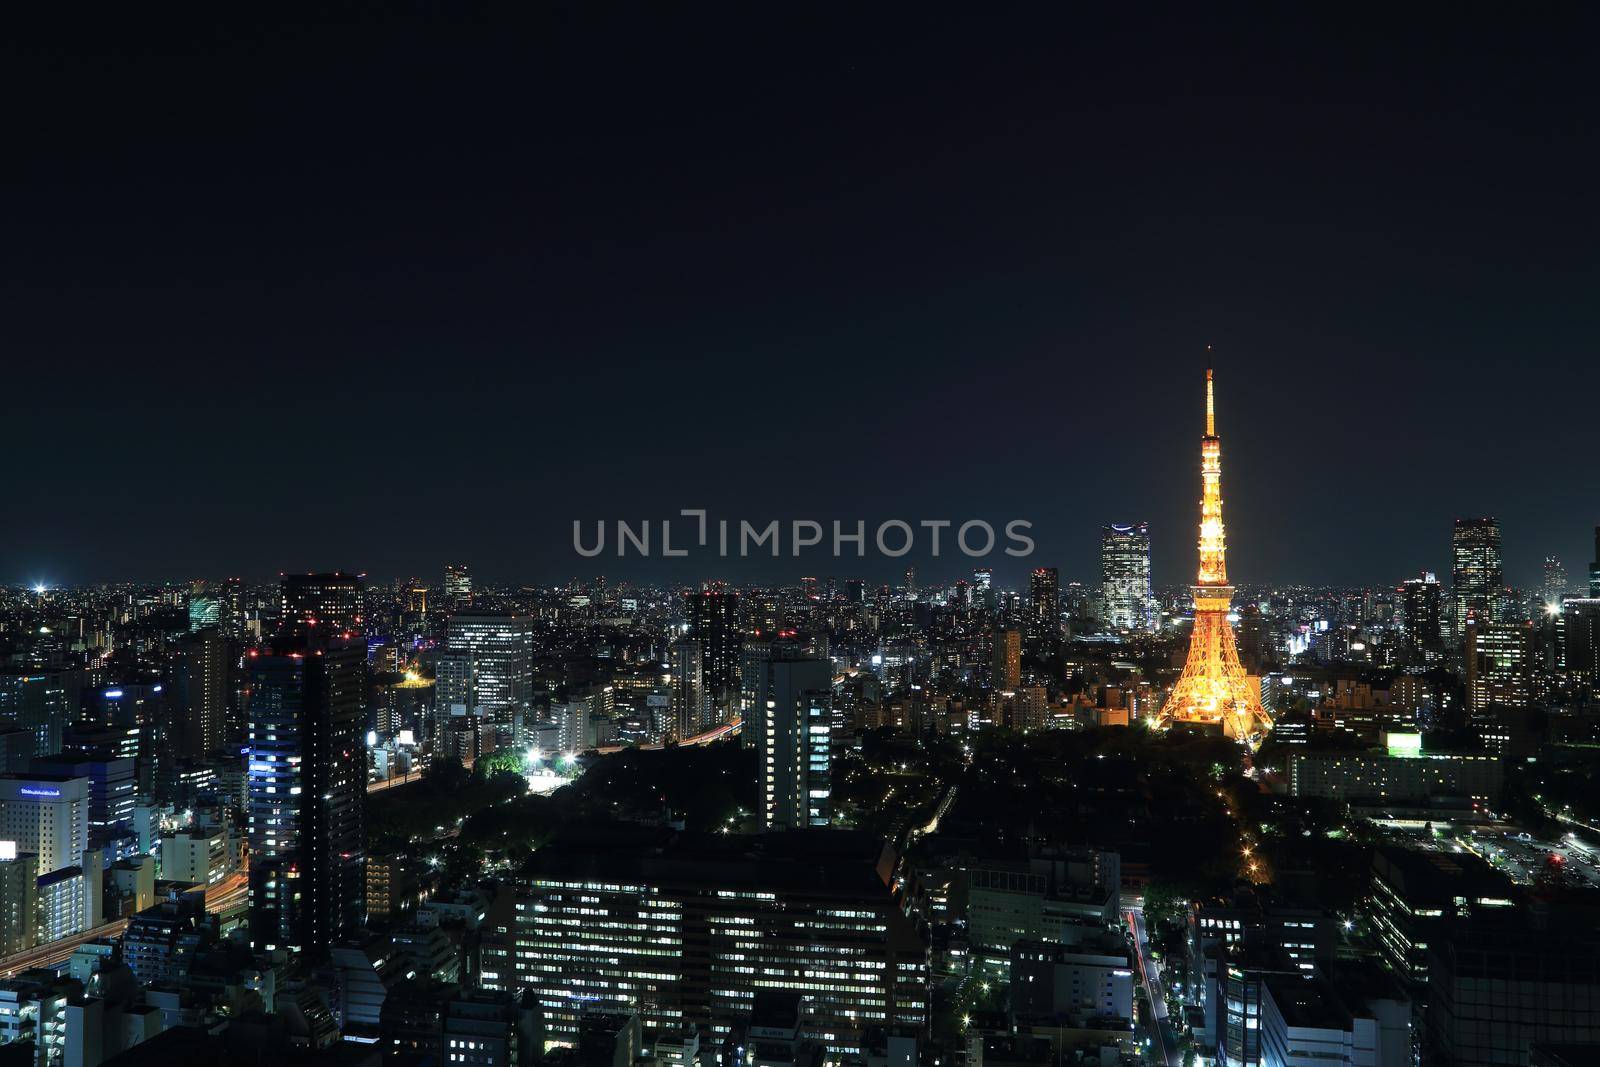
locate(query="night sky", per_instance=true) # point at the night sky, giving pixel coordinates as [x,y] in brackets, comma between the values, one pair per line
[384,291]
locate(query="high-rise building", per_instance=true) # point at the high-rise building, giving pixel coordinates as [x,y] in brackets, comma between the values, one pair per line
[457,587]
[1477,574]
[813,912]
[1578,639]
[1553,587]
[111,788]
[1044,604]
[40,702]
[499,664]
[1126,600]
[321,603]
[1007,671]
[1214,688]
[46,815]
[197,694]
[688,701]
[19,899]
[307,791]
[1594,567]
[794,727]
[1421,618]
[1499,666]
[714,624]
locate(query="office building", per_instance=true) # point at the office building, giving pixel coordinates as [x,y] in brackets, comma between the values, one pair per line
[70,898]
[161,941]
[1399,773]
[690,704]
[196,857]
[1498,989]
[1412,895]
[111,788]
[16,748]
[1091,979]
[603,926]
[1578,640]
[495,678]
[714,626]
[138,709]
[1477,574]
[306,791]
[1126,600]
[1594,567]
[19,899]
[1044,605]
[197,694]
[40,702]
[457,587]
[1422,618]
[1499,681]
[1306,1022]
[1042,898]
[1553,584]
[794,753]
[320,603]
[1007,670]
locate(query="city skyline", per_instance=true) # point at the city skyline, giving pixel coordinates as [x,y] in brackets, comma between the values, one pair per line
[671,536]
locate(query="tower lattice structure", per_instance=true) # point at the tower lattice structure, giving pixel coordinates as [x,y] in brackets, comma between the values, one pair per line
[1214,688]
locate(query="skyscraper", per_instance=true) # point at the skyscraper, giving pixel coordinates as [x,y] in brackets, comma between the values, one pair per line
[983,588]
[40,702]
[1553,587]
[1126,600]
[457,587]
[47,815]
[1477,573]
[688,701]
[1044,604]
[499,650]
[1421,618]
[307,791]
[1594,567]
[1499,666]
[794,751]
[1213,688]
[714,625]
[1007,671]
[197,694]
[324,603]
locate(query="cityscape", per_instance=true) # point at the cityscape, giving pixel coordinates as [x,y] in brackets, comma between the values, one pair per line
[464,600]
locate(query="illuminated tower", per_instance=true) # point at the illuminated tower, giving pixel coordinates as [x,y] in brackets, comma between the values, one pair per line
[1214,688]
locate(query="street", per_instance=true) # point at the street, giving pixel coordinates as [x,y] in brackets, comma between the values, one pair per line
[1150,974]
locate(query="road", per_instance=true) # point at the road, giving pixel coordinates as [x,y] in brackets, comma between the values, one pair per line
[226,894]
[1150,975]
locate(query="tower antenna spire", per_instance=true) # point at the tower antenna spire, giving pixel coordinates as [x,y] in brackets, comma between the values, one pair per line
[1211,407]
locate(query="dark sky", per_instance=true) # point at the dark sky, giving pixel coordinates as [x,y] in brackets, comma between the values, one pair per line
[381,291]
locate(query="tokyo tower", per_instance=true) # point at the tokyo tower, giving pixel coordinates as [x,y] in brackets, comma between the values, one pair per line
[1214,689]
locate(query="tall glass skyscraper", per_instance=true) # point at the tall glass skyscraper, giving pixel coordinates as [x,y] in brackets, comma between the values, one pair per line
[794,729]
[1125,597]
[1477,573]
[1420,618]
[499,653]
[306,783]
[714,626]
